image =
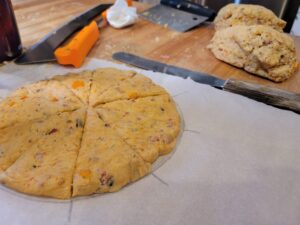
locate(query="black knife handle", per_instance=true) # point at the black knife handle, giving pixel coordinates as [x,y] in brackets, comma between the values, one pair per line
[271,96]
[190,7]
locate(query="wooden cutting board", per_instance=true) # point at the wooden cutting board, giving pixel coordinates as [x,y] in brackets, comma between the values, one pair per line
[38,17]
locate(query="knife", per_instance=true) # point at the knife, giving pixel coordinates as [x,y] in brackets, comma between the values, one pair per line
[271,96]
[43,51]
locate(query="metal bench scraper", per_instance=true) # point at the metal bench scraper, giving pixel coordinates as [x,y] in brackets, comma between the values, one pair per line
[178,15]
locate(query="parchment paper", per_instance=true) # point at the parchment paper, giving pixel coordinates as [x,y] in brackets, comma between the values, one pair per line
[238,163]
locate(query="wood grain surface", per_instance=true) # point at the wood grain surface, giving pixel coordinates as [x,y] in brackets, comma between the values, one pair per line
[38,17]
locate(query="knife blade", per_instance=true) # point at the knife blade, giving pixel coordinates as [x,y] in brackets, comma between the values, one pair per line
[43,50]
[272,96]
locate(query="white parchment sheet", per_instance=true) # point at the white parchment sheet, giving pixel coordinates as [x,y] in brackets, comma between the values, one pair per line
[238,163]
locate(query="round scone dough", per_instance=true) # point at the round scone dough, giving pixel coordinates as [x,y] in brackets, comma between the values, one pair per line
[258,49]
[86,133]
[247,14]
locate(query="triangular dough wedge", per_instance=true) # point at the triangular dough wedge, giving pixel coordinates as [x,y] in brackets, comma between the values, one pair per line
[14,140]
[104,79]
[160,107]
[135,87]
[79,84]
[149,136]
[35,101]
[46,168]
[105,163]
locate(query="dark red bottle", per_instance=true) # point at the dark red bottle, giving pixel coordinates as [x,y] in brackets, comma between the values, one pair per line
[10,42]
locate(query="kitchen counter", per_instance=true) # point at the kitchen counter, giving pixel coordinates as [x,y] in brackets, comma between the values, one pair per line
[237,160]
[38,17]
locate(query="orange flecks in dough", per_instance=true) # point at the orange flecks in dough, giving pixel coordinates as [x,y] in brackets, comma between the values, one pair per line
[23,97]
[78,84]
[132,94]
[85,173]
[54,99]
[11,103]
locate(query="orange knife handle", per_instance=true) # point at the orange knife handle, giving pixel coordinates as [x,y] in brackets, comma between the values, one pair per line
[104,14]
[77,49]
[129,2]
